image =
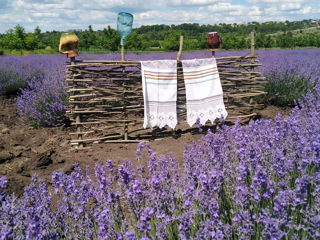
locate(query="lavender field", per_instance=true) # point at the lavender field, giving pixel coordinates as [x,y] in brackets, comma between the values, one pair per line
[255,181]
[43,100]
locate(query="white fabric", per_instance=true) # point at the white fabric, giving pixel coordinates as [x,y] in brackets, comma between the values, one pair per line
[159,86]
[203,91]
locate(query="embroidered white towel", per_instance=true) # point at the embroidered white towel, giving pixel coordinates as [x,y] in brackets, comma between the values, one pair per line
[203,90]
[159,86]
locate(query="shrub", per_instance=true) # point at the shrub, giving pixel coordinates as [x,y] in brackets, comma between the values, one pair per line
[43,103]
[171,41]
[15,75]
[290,74]
[284,87]
[38,79]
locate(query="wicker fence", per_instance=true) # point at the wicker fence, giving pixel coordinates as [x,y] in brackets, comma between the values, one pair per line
[106,99]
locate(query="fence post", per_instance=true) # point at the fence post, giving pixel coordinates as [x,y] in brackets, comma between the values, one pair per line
[180,49]
[252,47]
[122,52]
[252,58]
[179,82]
[124,109]
[78,119]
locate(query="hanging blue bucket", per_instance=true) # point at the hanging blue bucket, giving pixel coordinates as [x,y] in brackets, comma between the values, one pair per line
[124,25]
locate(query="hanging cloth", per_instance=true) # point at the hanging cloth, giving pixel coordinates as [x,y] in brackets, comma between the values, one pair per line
[159,86]
[203,91]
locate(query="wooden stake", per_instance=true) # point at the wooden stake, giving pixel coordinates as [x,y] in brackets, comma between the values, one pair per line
[252,47]
[125,113]
[122,53]
[180,49]
[78,120]
[252,58]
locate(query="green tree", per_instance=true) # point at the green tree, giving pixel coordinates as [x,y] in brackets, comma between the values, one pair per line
[31,41]
[38,37]
[135,41]
[172,41]
[37,31]
[229,41]
[285,40]
[269,43]
[51,39]
[191,44]
[88,38]
[260,40]
[19,37]
[14,38]
[7,40]
[109,39]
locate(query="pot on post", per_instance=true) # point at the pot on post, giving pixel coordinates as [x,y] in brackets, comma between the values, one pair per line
[214,41]
[69,44]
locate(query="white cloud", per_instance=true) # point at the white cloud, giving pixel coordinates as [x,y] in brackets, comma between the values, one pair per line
[306,10]
[255,11]
[277,1]
[290,6]
[191,2]
[70,14]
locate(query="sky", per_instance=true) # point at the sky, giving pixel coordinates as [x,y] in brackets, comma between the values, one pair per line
[63,15]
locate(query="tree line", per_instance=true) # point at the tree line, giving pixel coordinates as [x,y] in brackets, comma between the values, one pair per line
[163,37]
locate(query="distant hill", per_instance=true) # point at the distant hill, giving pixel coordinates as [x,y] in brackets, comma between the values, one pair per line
[315,29]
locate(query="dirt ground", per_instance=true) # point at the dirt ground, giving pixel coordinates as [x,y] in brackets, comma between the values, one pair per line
[25,151]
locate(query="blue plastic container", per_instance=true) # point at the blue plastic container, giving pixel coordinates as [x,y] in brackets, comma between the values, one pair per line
[124,25]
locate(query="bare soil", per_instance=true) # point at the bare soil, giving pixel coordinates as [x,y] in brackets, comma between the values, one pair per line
[25,151]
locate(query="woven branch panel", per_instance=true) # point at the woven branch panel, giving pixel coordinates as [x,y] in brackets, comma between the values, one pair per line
[106,99]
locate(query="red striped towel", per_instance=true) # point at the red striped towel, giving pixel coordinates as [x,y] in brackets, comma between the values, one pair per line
[159,86]
[203,91]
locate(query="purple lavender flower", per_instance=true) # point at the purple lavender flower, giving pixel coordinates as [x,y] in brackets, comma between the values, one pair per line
[130,236]
[3,186]
[259,180]
[199,125]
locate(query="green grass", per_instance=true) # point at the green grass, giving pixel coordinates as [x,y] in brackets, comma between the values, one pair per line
[24,52]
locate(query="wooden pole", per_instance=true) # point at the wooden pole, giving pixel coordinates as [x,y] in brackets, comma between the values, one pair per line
[180,49]
[179,73]
[122,53]
[124,115]
[252,58]
[78,120]
[124,96]
[252,47]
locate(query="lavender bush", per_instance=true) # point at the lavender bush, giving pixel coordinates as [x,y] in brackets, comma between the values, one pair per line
[259,181]
[43,101]
[39,80]
[15,73]
[290,74]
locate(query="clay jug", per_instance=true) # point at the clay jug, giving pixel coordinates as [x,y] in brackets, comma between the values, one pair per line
[214,40]
[69,44]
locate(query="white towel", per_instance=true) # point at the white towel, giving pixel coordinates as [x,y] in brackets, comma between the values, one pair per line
[203,90]
[159,86]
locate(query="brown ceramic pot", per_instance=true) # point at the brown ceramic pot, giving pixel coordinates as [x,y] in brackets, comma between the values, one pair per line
[214,40]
